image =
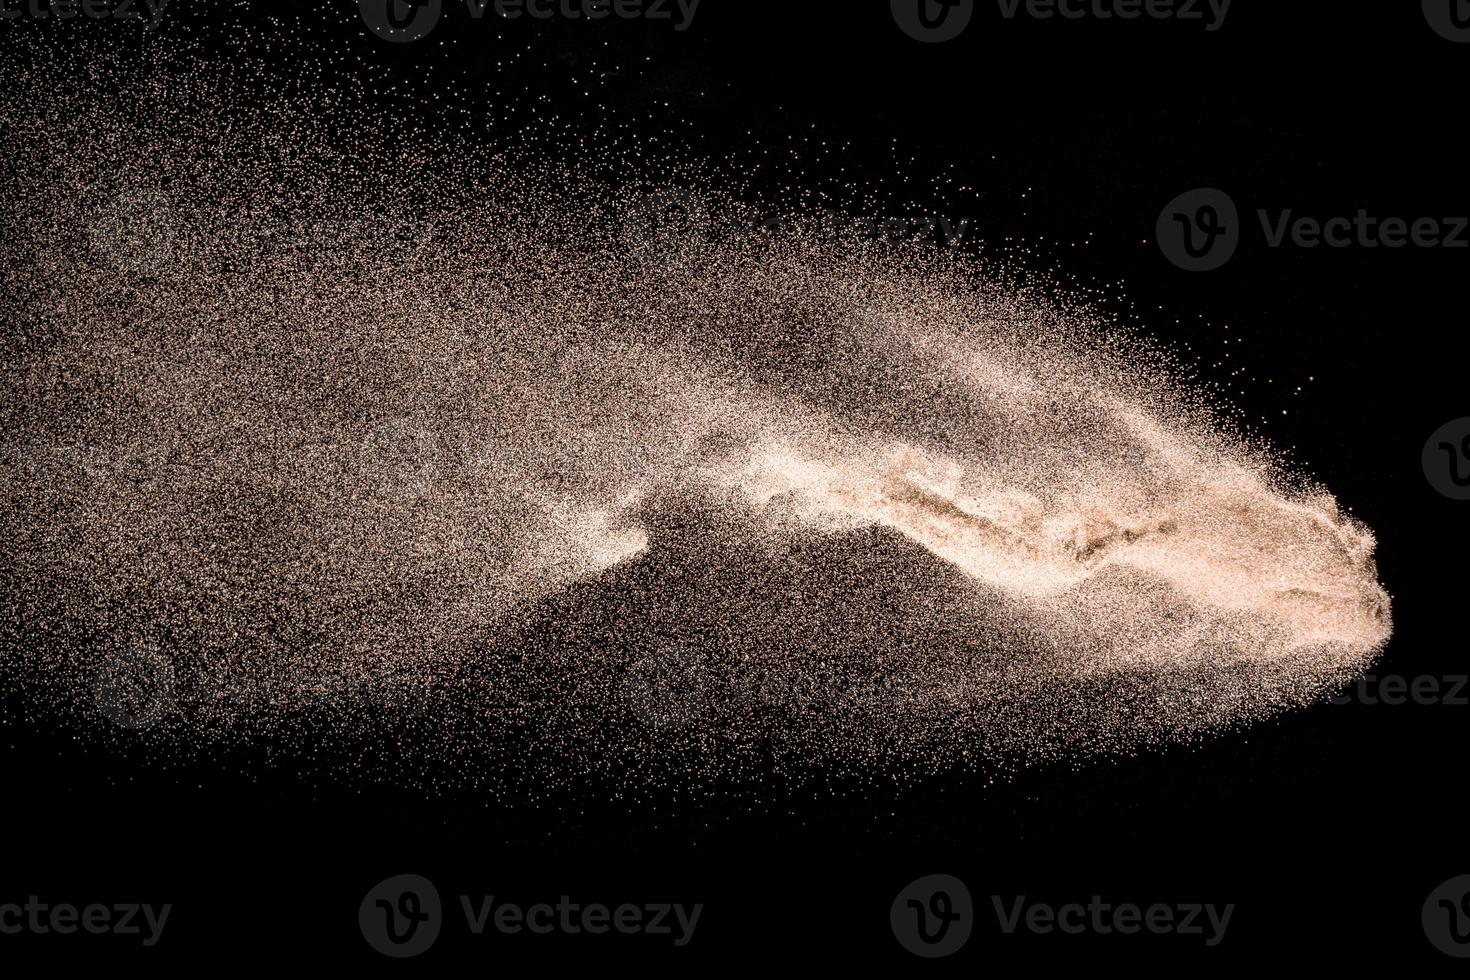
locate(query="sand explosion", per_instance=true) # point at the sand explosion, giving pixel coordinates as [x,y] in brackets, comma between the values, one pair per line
[481,440]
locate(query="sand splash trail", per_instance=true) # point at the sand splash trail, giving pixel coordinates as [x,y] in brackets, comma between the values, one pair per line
[282,437]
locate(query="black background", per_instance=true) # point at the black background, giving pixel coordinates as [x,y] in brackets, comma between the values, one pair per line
[1327,828]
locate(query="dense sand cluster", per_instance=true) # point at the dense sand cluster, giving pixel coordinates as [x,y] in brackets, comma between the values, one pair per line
[609,467]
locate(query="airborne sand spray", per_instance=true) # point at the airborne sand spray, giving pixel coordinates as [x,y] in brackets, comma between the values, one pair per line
[295,428]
